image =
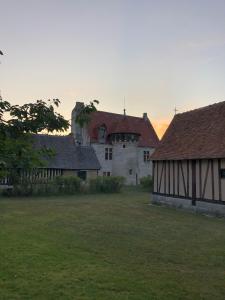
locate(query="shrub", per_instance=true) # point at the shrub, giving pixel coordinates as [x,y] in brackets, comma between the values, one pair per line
[111,184]
[68,184]
[59,185]
[147,183]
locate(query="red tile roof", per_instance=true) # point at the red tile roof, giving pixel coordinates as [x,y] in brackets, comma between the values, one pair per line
[123,124]
[196,134]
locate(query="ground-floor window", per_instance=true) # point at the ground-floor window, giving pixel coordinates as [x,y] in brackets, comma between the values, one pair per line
[106,174]
[82,175]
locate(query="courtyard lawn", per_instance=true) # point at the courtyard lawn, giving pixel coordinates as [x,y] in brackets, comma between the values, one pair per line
[108,247]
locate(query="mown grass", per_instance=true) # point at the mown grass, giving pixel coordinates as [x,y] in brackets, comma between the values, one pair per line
[108,247]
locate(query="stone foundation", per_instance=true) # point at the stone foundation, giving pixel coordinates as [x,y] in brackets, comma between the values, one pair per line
[201,206]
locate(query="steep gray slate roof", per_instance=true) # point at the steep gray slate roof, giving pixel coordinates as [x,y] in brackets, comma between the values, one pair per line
[68,156]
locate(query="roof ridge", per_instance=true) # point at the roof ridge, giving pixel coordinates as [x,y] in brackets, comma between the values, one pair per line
[201,108]
[122,115]
[50,135]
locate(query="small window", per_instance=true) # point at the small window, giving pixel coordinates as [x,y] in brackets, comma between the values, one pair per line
[108,153]
[130,172]
[82,175]
[222,173]
[146,156]
[106,174]
[124,146]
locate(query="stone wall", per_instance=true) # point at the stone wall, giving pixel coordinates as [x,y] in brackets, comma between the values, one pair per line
[106,165]
[126,161]
[144,167]
[201,206]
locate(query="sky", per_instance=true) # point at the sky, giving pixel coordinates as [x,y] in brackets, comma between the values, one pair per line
[157,55]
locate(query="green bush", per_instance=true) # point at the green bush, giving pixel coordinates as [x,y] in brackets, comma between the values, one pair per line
[67,184]
[60,185]
[111,184]
[147,183]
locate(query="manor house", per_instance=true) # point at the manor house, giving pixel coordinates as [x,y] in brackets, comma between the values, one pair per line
[123,144]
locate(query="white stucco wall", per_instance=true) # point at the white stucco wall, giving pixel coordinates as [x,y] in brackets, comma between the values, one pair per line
[124,160]
[144,168]
[106,165]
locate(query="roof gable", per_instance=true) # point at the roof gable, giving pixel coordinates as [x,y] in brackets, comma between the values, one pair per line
[196,134]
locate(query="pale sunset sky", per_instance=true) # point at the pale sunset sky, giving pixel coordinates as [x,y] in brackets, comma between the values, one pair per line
[158,54]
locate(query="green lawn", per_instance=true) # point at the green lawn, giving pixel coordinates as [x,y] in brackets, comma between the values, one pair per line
[108,247]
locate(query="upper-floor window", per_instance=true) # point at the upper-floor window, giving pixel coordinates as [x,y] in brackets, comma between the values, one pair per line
[108,153]
[146,156]
[102,134]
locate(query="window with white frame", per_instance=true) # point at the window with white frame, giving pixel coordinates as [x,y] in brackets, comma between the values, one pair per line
[106,174]
[108,153]
[146,156]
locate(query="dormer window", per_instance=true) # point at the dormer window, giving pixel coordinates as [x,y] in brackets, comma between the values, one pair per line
[102,134]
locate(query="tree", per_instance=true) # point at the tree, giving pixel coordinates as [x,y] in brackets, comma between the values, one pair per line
[17,125]
[84,115]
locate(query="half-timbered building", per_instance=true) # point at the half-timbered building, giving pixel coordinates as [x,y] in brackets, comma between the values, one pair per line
[189,164]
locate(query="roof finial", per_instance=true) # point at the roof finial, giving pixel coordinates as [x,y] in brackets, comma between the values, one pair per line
[124,106]
[175,111]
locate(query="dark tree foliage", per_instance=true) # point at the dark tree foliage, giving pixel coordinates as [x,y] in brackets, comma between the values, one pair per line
[84,115]
[17,124]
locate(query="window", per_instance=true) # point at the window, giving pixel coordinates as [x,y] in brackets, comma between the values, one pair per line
[108,153]
[130,172]
[106,173]
[146,156]
[222,173]
[82,175]
[124,146]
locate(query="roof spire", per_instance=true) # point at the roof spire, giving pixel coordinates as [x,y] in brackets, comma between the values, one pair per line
[124,106]
[175,111]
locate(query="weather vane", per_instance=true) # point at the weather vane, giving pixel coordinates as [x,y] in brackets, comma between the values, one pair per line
[1,53]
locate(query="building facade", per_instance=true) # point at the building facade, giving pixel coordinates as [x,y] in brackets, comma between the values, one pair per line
[123,144]
[189,164]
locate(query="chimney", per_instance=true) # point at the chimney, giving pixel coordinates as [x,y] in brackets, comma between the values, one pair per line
[75,128]
[145,116]
[78,106]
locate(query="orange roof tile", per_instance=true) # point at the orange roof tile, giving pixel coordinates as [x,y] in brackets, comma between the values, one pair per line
[196,134]
[123,124]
